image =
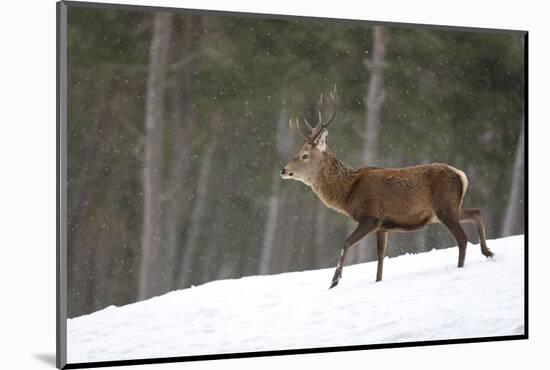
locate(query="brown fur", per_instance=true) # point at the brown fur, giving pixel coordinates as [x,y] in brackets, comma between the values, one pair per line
[402,198]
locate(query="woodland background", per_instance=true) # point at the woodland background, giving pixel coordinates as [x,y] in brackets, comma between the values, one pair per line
[178,128]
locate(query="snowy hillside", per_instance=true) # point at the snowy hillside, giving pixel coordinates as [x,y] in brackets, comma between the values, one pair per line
[422,297]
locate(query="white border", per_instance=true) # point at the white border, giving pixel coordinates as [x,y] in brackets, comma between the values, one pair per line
[27,152]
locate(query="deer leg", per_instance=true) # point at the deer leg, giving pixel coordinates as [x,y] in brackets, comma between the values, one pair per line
[473,215]
[362,230]
[381,244]
[454,227]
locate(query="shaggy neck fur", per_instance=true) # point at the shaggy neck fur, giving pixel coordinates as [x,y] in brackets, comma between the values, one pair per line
[334,182]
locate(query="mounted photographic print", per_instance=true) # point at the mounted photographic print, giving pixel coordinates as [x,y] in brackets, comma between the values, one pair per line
[236,185]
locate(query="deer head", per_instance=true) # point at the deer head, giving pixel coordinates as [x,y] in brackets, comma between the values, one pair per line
[306,165]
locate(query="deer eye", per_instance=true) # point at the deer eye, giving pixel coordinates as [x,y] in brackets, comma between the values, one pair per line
[305,156]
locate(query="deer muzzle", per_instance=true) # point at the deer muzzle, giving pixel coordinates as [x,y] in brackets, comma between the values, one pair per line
[285,174]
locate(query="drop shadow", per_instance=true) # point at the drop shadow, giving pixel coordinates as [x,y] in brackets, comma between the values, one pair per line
[47,358]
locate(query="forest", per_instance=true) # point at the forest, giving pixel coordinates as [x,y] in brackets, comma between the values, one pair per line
[177,131]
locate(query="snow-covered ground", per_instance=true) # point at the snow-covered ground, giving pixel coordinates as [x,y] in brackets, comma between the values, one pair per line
[422,297]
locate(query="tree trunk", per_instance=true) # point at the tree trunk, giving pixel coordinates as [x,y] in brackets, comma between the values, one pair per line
[273,204]
[322,243]
[176,201]
[287,233]
[375,95]
[270,224]
[221,226]
[151,269]
[190,245]
[514,219]
[366,251]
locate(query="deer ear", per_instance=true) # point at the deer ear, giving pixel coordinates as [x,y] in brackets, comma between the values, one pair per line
[322,141]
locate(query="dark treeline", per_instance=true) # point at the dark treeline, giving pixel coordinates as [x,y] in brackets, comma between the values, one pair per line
[178,127]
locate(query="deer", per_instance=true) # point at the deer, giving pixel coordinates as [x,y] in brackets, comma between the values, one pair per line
[380,199]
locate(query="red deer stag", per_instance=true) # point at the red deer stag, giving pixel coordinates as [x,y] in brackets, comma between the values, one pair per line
[381,199]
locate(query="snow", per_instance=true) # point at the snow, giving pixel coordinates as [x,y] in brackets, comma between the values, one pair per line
[422,297]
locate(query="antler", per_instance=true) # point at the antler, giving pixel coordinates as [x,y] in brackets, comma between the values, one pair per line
[316,130]
[297,130]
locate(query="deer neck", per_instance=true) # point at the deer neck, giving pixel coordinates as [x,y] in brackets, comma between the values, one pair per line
[334,182]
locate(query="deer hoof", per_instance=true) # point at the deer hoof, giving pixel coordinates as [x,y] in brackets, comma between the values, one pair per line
[334,283]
